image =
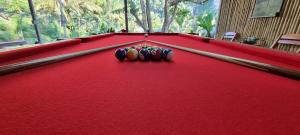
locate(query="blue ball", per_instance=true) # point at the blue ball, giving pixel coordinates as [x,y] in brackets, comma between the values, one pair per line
[167,54]
[144,54]
[126,49]
[120,54]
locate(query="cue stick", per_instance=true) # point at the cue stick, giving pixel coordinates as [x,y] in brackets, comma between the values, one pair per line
[19,66]
[290,73]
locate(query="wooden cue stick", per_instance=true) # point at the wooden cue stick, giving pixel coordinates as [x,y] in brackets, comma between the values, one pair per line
[290,73]
[11,68]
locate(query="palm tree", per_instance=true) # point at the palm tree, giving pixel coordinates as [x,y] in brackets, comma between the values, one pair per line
[206,22]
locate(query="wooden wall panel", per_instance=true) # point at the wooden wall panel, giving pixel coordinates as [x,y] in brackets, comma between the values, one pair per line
[235,15]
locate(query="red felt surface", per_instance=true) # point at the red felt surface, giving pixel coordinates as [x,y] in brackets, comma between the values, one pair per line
[97,94]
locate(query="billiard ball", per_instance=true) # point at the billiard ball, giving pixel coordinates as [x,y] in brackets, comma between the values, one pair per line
[145,46]
[156,54]
[144,54]
[167,54]
[150,48]
[132,54]
[138,48]
[120,54]
[126,49]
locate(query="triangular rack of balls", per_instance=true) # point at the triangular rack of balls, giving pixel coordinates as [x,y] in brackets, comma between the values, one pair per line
[144,52]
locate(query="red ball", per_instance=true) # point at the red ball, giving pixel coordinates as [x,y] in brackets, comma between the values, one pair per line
[138,49]
[156,54]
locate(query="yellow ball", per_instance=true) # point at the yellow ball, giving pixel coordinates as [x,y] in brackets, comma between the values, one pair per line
[132,54]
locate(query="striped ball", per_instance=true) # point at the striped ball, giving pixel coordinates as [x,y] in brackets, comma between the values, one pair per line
[156,54]
[167,54]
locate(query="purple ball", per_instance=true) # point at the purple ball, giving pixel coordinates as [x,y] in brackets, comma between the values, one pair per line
[144,54]
[120,54]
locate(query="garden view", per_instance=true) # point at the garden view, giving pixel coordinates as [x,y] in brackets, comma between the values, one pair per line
[75,18]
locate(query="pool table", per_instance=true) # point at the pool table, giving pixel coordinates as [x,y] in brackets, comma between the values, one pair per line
[191,95]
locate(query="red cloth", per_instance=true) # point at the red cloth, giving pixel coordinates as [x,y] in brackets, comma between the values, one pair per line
[193,95]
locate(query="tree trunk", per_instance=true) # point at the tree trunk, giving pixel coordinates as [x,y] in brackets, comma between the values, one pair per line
[170,20]
[148,12]
[63,18]
[144,15]
[166,16]
[138,21]
[4,16]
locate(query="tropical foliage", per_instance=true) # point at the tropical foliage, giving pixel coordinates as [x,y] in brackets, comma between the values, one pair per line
[74,18]
[206,22]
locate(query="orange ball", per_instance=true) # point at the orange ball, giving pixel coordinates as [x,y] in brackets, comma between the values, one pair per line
[132,54]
